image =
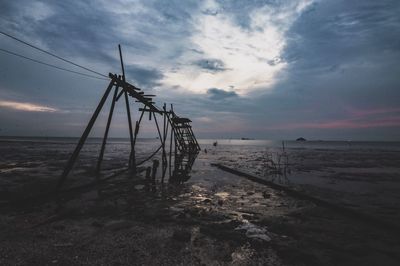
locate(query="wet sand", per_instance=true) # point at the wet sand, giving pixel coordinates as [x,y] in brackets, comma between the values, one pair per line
[215,218]
[364,177]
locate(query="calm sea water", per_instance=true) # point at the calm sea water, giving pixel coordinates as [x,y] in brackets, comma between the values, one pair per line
[290,144]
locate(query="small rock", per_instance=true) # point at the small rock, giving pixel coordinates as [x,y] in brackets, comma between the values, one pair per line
[247,216]
[176,209]
[266,195]
[207,200]
[139,187]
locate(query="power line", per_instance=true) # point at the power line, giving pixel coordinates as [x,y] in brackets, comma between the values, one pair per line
[54,55]
[50,65]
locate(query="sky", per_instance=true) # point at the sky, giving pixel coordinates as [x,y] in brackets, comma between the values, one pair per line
[272,69]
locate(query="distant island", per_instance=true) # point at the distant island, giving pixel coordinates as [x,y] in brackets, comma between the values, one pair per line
[301,139]
[246,139]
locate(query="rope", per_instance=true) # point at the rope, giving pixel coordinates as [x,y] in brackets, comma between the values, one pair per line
[151,156]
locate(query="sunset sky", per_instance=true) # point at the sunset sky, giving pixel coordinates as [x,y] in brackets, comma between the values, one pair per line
[273,69]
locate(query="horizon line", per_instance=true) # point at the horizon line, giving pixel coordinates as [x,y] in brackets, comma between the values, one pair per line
[219,138]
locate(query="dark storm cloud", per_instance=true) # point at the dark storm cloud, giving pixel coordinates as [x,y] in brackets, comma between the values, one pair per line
[212,65]
[351,55]
[241,10]
[218,94]
[73,28]
[88,32]
[346,31]
[92,29]
[146,78]
[341,56]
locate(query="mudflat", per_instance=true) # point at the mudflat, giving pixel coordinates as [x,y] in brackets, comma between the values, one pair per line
[215,218]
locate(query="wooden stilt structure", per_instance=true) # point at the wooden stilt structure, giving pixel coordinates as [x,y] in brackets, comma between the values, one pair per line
[182,138]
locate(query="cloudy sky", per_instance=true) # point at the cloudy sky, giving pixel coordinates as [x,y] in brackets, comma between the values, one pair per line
[271,69]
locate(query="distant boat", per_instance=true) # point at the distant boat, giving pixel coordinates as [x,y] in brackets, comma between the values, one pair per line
[246,139]
[301,139]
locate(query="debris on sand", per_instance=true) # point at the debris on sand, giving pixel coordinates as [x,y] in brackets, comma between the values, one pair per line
[266,195]
[253,231]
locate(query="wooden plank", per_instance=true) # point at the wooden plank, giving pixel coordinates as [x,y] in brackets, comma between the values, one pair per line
[181,120]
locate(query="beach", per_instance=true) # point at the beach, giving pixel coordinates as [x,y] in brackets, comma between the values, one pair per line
[214,218]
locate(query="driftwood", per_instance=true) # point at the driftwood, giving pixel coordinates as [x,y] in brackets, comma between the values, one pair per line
[360,216]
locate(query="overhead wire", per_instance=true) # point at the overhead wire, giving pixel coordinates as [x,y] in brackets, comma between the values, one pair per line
[52,54]
[105,77]
[50,65]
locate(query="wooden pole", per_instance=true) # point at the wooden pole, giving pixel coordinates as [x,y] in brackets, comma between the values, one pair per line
[170,151]
[153,175]
[132,157]
[164,156]
[158,128]
[106,134]
[122,63]
[137,127]
[84,136]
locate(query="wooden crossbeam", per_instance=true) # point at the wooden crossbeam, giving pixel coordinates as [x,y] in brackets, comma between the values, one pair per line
[150,110]
[180,120]
[135,93]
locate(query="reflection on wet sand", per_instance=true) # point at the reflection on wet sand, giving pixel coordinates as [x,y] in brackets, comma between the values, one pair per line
[183,166]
